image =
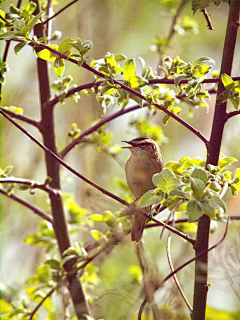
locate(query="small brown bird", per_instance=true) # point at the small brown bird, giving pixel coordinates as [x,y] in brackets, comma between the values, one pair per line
[145,160]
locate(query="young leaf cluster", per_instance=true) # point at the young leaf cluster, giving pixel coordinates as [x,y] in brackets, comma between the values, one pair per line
[22,24]
[63,85]
[197,187]
[194,72]
[65,48]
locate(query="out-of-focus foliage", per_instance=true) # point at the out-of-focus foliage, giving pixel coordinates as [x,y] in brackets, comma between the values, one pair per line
[103,256]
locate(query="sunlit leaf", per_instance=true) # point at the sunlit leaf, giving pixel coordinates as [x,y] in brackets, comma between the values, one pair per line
[129,69]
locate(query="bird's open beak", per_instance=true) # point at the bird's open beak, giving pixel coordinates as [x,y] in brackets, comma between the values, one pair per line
[128,147]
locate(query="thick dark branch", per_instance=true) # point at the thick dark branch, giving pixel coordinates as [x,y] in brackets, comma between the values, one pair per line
[213,151]
[28,205]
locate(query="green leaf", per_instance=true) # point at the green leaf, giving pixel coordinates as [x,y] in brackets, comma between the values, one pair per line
[96,217]
[65,46]
[179,78]
[53,263]
[222,163]
[97,235]
[223,96]
[179,193]
[207,207]
[197,187]
[7,170]
[129,69]
[194,210]
[201,174]
[235,102]
[19,46]
[226,80]
[150,197]
[203,60]
[34,21]
[136,81]
[160,179]
[59,67]
[166,119]
[45,54]
[144,66]
[109,218]
[201,70]
[218,203]
[120,57]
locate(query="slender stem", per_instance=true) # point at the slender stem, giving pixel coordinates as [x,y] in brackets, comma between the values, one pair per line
[123,86]
[28,205]
[41,302]
[170,275]
[60,11]
[55,157]
[21,117]
[196,257]
[180,234]
[76,141]
[208,19]
[174,276]
[172,30]
[31,183]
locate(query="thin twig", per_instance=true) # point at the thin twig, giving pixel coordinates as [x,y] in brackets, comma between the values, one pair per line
[171,213]
[180,234]
[28,205]
[196,257]
[21,117]
[76,141]
[174,21]
[183,266]
[52,154]
[224,189]
[60,11]
[123,86]
[41,302]
[174,276]
[208,19]
[142,308]
[31,183]
[7,23]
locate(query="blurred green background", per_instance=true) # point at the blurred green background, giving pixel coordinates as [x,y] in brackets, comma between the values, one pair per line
[128,27]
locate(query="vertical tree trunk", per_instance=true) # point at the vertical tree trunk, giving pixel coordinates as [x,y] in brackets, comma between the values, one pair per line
[219,120]
[53,167]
